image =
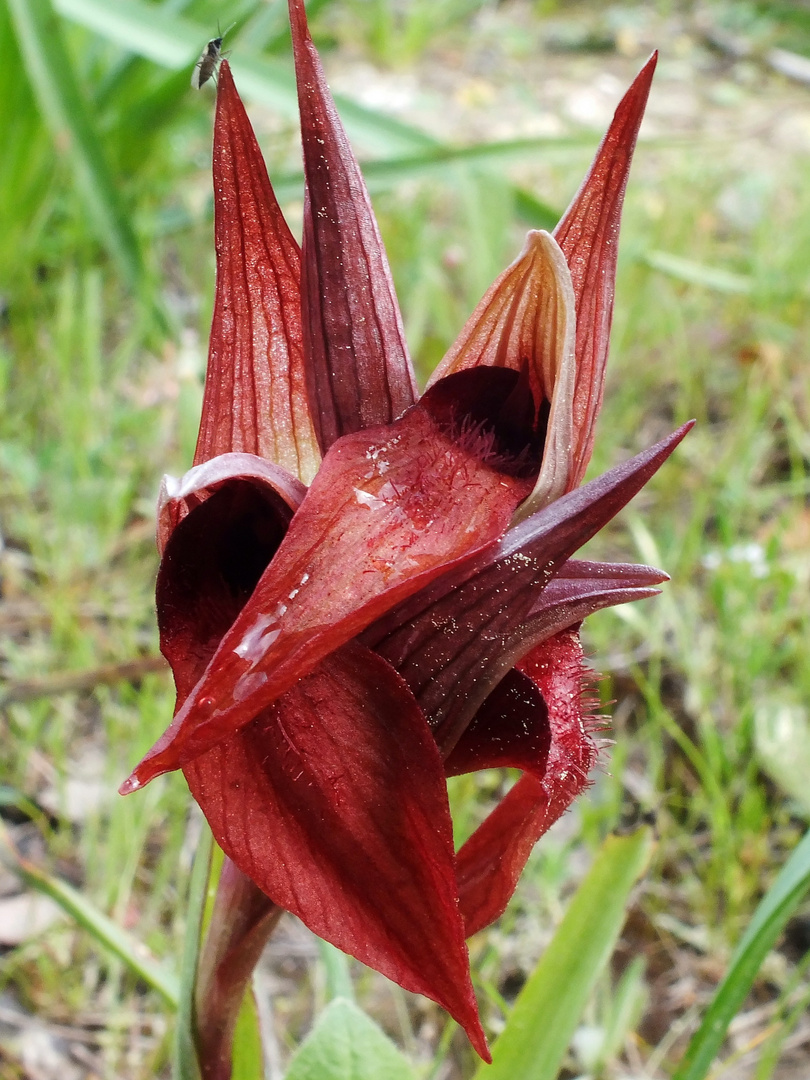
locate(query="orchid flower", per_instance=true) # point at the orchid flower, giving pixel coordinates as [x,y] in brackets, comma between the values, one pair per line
[363,591]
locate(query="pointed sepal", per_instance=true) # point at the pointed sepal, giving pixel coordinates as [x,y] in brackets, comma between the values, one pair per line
[255,389]
[359,371]
[588,234]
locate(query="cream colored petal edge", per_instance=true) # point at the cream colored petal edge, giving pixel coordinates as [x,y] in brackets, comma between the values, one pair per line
[561,338]
[514,320]
[557,326]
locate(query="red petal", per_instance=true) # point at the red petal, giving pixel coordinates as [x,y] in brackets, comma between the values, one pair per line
[492,860]
[510,730]
[333,801]
[454,640]
[588,234]
[210,567]
[359,371]
[389,509]
[255,389]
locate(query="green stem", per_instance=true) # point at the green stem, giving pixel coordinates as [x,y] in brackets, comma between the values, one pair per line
[241,923]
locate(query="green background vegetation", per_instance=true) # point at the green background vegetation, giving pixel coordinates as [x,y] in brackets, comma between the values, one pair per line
[106,287]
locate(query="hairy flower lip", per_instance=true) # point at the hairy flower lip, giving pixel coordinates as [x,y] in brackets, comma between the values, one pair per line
[491,412]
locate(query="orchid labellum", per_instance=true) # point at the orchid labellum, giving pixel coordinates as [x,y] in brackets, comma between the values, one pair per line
[362,590]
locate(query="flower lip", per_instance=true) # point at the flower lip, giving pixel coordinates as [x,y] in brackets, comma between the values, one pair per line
[491,412]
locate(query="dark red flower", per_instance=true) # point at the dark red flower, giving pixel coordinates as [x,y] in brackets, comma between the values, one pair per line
[340,649]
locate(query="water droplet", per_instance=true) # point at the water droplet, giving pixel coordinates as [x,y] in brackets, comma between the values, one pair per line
[258,639]
[206,706]
[365,498]
[248,684]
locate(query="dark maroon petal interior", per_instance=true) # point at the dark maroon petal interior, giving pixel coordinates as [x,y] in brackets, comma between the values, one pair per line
[179,496]
[510,730]
[210,567]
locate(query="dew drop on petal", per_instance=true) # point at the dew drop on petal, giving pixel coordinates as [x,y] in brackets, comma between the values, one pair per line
[248,684]
[254,642]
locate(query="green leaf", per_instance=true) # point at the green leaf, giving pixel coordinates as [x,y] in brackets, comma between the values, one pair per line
[108,934]
[695,273]
[550,1005]
[247,1062]
[775,908]
[53,80]
[346,1045]
[185,1065]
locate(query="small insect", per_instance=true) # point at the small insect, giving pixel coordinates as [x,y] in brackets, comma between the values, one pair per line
[209,60]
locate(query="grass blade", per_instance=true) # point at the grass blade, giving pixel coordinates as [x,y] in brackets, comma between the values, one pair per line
[695,273]
[108,934]
[185,1065]
[549,1007]
[248,1055]
[775,908]
[54,83]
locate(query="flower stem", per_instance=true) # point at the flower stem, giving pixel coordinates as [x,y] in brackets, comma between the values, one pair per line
[242,920]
